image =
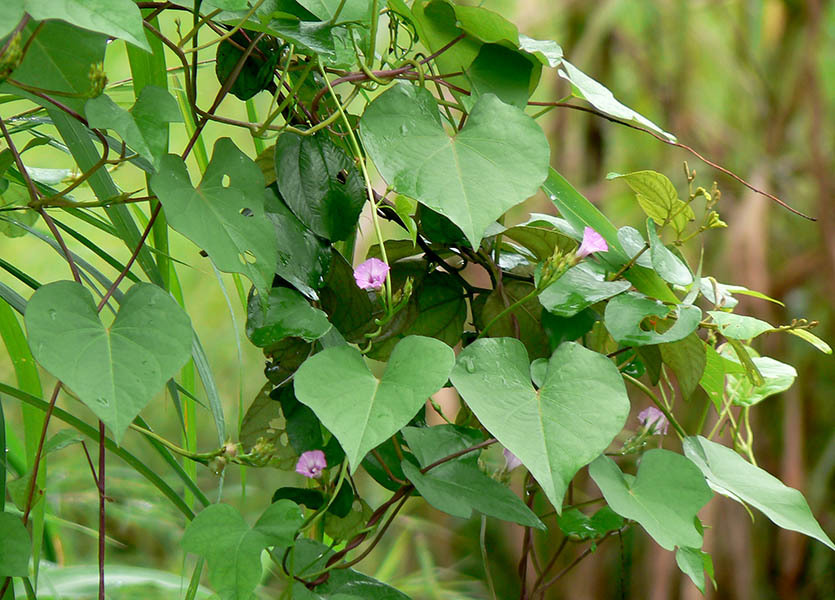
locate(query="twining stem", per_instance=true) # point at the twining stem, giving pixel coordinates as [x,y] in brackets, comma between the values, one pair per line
[661,406]
[355,148]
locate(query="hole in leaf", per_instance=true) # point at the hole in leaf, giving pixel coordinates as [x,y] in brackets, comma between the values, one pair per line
[342,176]
[247,212]
[225,181]
[247,258]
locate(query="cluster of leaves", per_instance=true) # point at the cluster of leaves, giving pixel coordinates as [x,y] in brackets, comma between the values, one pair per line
[544,353]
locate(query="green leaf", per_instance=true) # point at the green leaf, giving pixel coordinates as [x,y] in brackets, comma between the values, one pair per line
[580,408]
[669,266]
[225,214]
[405,208]
[496,161]
[559,329]
[143,128]
[347,584]
[320,183]
[687,357]
[356,10]
[11,15]
[303,258]
[233,549]
[731,475]
[579,526]
[527,316]
[338,377]
[288,315]
[665,496]
[540,239]
[776,377]
[808,336]
[712,380]
[693,563]
[348,307]
[658,198]
[577,289]
[739,327]
[257,72]
[500,71]
[458,486]
[16,547]
[636,320]
[603,100]
[114,370]
[633,242]
[48,65]
[117,18]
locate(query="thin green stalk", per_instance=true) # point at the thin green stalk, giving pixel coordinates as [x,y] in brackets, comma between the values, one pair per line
[510,308]
[482,543]
[649,393]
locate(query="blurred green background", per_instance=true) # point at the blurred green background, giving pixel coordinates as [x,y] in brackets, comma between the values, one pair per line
[750,84]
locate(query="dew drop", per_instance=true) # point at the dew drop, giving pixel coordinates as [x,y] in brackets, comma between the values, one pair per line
[553,197]
[404,130]
[53,314]
[102,401]
[469,365]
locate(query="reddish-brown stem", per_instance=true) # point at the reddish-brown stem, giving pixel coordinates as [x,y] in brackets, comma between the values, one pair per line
[102,499]
[30,492]
[677,145]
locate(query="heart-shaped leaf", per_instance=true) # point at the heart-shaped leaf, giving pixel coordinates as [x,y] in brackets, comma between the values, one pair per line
[739,327]
[664,497]
[362,410]
[233,549]
[731,475]
[496,161]
[114,370]
[224,215]
[580,408]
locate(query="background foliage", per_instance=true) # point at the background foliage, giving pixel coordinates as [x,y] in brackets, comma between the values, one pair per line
[752,85]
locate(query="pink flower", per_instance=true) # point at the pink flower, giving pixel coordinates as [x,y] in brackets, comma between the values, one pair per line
[654,420]
[311,464]
[510,460]
[371,275]
[592,242]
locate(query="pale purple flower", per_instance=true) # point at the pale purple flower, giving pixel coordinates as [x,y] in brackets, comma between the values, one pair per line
[592,242]
[511,461]
[371,275]
[654,420]
[311,464]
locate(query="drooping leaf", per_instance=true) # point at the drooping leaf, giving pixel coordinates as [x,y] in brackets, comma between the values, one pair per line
[233,549]
[580,526]
[633,319]
[808,336]
[458,487]
[776,377]
[117,18]
[144,128]
[664,497]
[658,198]
[16,547]
[669,266]
[577,289]
[555,430]
[320,183]
[496,161]
[693,563]
[738,327]
[257,72]
[338,377]
[500,71]
[288,315]
[633,243]
[731,475]
[602,98]
[348,584]
[303,258]
[687,358]
[347,306]
[225,214]
[114,370]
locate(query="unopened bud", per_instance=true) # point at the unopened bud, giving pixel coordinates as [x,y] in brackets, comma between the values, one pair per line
[98,80]
[230,450]
[11,57]
[217,465]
